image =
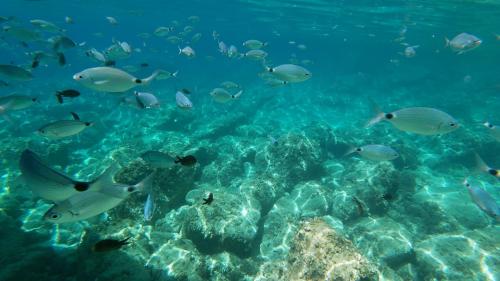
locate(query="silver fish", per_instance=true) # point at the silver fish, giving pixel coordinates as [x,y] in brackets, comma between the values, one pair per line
[50,184]
[418,120]
[463,43]
[158,159]
[494,130]
[92,203]
[149,208]
[222,48]
[146,100]
[187,51]
[222,96]
[17,102]
[182,100]
[375,152]
[290,73]
[64,128]
[483,167]
[256,54]
[15,72]
[254,44]
[484,201]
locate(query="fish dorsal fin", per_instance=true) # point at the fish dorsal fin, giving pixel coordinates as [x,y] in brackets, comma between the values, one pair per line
[75,116]
[106,178]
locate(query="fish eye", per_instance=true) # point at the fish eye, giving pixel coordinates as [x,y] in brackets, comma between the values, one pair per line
[452,124]
[80,76]
[389,116]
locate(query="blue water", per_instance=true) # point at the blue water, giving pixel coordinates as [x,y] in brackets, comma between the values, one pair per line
[290,207]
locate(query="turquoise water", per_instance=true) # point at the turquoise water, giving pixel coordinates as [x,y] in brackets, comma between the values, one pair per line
[294,209]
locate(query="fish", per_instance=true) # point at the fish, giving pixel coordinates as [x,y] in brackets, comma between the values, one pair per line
[109,79]
[273,140]
[196,37]
[94,202]
[222,47]
[256,54]
[229,85]
[418,120]
[162,31]
[109,245]
[483,200]
[64,128]
[15,72]
[118,50]
[158,159]
[146,100]
[46,26]
[254,44]
[182,100]
[61,42]
[96,55]
[494,130]
[209,199]
[17,102]
[22,34]
[220,95]
[68,20]
[112,20]
[189,160]
[149,208]
[232,52]
[463,43]
[410,51]
[174,39]
[50,184]
[375,152]
[187,51]
[359,205]
[483,167]
[69,93]
[290,73]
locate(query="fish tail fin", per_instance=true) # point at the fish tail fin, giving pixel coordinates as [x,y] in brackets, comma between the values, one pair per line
[447,42]
[106,178]
[175,74]
[146,185]
[152,76]
[237,95]
[379,114]
[481,166]
[180,50]
[350,150]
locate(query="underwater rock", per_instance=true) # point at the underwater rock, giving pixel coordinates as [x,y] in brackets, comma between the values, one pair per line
[384,240]
[222,126]
[319,253]
[226,267]
[471,255]
[266,189]
[297,158]
[228,223]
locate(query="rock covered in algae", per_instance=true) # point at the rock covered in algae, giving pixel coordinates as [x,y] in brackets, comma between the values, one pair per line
[318,252]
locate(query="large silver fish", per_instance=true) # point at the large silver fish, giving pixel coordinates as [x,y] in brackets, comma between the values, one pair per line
[222,96]
[182,100]
[50,184]
[484,201]
[418,120]
[463,42]
[376,152]
[92,203]
[146,100]
[290,73]
[109,79]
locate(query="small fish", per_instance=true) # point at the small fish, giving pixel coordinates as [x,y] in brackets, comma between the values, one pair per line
[182,100]
[387,196]
[15,72]
[187,51]
[112,20]
[163,31]
[68,20]
[158,159]
[222,48]
[196,37]
[410,51]
[418,120]
[174,39]
[208,200]
[483,200]
[189,160]
[290,73]
[375,152]
[229,85]
[109,79]
[256,54]
[64,128]
[494,130]
[463,43]
[109,245]
[146,100]
[17,102]
[69,93]
[96,55]
[273,140]
[359,205]
[149,208]
[254,44]
[483,167]
[222,96]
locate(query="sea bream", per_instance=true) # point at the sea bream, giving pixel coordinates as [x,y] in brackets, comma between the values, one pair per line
[15,72]
[146,100]
[109,79]
[50,184]
[254,44]
[290,73]
[64,128]
[376,152]
[463,43]
[94,202]
[182,100]
[16,102]
[220,95]
[483,200]
[418,120]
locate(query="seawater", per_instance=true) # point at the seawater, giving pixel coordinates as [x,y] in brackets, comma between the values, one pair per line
[408,219]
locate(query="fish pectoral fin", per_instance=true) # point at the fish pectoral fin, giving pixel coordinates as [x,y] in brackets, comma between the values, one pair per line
[101,82]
